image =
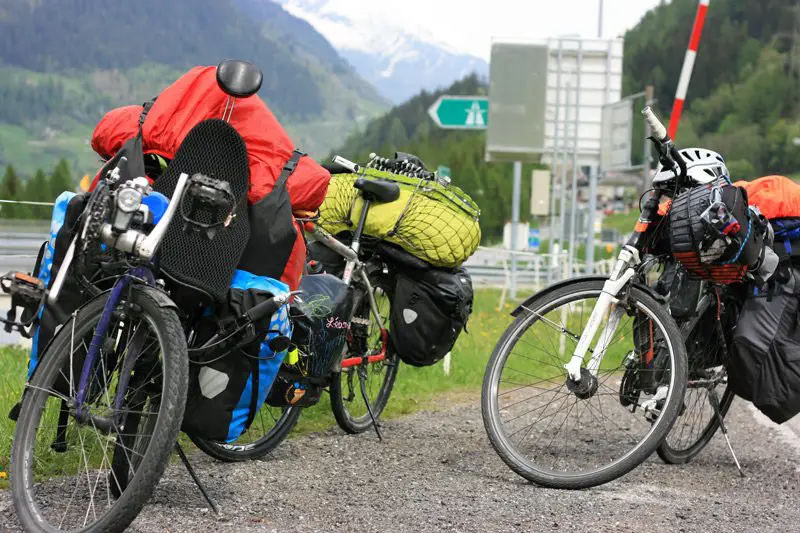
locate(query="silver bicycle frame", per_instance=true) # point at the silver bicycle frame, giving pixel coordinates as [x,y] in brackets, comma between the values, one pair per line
[353,265]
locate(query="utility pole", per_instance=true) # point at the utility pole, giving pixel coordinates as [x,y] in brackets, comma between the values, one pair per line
[600,21]
[644,185]
[792,35]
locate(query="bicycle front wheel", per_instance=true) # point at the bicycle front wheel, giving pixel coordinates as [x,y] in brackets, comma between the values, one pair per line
[92,470]
[561,437]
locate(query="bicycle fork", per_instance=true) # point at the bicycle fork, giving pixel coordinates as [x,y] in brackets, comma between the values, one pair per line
[583,381]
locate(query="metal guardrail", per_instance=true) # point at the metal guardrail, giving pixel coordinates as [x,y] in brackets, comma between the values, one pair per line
[488,267]
[18,248]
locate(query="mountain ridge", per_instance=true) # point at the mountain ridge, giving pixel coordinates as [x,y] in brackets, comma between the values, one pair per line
[399,63]
[64,63]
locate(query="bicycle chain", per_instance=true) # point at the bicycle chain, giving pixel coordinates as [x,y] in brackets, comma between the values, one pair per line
[97,218]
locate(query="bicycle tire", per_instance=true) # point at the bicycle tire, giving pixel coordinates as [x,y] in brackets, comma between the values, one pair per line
[138,491]
[627,462]
[344,418]
[233,453]
[671,454]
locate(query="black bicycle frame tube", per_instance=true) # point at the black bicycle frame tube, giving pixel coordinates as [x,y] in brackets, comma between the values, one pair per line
[362,221]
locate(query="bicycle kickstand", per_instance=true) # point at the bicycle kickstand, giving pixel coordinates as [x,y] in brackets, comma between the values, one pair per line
[712,396]
[362,381]
[196,480]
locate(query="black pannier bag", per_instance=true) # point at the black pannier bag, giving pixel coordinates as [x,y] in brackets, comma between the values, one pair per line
[764,365]
[429,311]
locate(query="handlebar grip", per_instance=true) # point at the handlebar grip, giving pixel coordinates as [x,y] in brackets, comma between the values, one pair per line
[341,161]
[335,168]
[659,131]
[267,308]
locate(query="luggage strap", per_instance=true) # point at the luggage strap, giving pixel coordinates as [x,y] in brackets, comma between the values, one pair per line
[289,168]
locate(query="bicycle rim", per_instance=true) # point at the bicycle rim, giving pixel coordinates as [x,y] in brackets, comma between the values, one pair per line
[347,400]
[271,426]
[107,476]
[601,438]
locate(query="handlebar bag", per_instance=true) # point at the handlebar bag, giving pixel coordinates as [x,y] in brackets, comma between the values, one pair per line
[429,311]
[696,246]
[764,366]
[325,305]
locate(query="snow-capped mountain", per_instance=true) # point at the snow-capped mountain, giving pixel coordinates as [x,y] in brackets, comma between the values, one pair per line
[398,62]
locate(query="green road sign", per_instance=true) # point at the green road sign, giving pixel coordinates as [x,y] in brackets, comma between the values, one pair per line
[444,171]
[461,112]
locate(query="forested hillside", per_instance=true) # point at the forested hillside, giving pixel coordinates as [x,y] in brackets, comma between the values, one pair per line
[409,128]
[743,100]
[63,63]
[743,97]
[40,187]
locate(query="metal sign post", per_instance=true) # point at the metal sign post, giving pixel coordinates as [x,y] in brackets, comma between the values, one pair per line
[553,167]
[517,192]
[572,252]
[518,98]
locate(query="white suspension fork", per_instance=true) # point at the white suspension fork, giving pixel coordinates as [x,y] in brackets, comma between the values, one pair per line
[620,276]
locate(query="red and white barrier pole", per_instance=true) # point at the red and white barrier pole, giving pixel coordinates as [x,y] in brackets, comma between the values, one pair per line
[688,65]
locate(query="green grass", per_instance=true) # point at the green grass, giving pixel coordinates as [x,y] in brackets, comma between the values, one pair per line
[415,389]
[621,222]
[29,152]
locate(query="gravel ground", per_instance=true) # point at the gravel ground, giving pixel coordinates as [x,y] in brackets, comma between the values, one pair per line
[437,472]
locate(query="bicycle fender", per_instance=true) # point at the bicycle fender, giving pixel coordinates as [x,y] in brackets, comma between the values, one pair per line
[547,290]
[161,298]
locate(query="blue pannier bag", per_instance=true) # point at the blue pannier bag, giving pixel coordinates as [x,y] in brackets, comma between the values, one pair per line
[227,391]
[787,239]
[46,272]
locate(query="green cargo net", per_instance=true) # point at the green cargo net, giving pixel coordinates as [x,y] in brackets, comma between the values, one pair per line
[436,223]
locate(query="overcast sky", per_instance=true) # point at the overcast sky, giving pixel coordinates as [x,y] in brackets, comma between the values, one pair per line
[469,25]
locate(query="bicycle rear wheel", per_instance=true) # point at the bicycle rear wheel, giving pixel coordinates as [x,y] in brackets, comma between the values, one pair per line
[697,422]
[347,401]
[108,460]
[271,426]
[604,436]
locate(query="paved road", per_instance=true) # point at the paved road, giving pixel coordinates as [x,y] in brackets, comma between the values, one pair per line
[437,472]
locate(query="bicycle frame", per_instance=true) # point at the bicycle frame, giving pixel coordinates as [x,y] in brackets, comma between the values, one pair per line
[354,267]
[625,267]
[145,250]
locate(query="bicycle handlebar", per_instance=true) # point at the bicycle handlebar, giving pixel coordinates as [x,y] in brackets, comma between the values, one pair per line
[335,168]
[268,307]
[656,126]
[668,154]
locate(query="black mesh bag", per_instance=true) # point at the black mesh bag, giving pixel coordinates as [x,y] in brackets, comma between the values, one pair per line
[195,266]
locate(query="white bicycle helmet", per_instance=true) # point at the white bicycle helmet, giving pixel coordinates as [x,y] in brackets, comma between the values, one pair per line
[702,166]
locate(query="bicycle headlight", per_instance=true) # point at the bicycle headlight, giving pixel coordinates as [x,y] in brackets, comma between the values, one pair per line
[129,200]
